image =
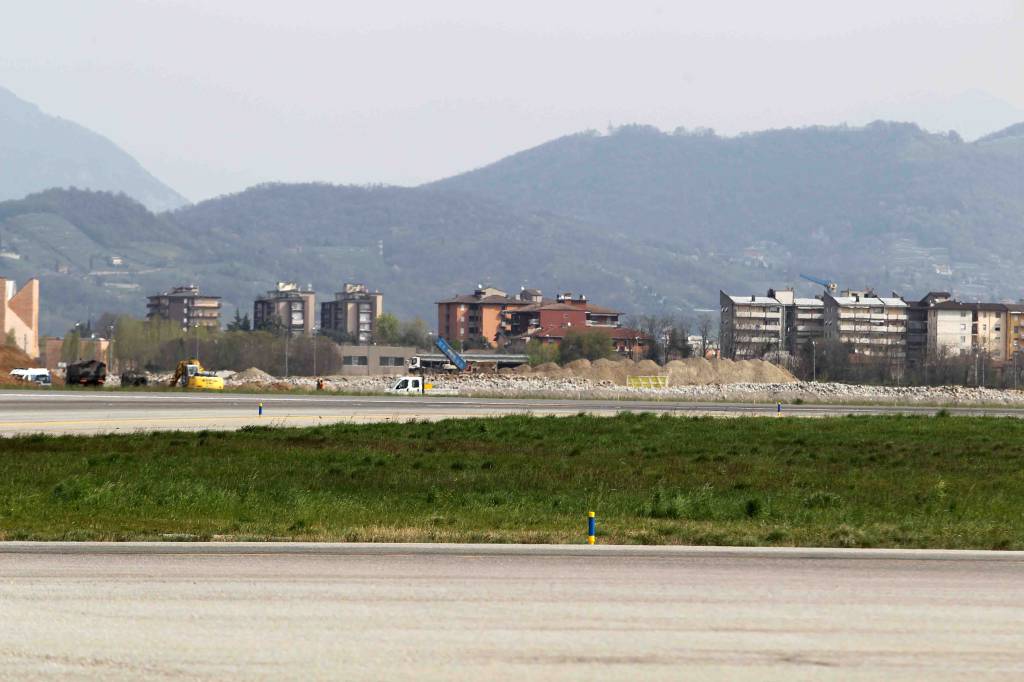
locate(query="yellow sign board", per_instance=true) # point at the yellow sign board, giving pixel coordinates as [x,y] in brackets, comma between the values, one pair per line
[647,382]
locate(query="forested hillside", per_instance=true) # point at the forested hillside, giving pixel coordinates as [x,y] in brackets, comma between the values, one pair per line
[888,205]
[416,245]
[638,219]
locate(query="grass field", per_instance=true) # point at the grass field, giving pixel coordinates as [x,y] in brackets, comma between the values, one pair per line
[848,482]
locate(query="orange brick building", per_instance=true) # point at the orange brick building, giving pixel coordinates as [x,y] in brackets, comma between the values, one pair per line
[476,315]
[500,320]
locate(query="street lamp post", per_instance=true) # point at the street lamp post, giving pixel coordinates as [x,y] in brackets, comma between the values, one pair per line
[814,361]
[110,349]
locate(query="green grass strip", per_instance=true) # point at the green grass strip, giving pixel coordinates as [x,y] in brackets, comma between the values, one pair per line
[938,482]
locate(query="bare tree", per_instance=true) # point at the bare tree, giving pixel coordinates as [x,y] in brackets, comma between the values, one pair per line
[705,328]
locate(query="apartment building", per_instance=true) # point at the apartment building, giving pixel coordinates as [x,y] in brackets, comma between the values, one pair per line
[1014,329]
[956,328]
[563,312]
[19,314]
[869,325]
[550,320]
[477,315]
[353,312]
[803,319]
[918,326]
[286,307]
[751,327]
[186,305]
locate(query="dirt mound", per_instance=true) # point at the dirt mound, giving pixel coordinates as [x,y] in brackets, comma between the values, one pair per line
[692,371]
[253,375]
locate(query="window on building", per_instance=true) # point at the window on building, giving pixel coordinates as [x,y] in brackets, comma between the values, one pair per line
[355,360]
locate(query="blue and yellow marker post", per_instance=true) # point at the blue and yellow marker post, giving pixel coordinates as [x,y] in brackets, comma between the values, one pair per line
[591,528]
[261,408]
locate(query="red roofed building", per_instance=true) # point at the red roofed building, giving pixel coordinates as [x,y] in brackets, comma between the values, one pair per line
[549,321]
[501,320]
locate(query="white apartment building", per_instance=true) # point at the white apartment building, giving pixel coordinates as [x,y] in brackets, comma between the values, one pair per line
[869,325]
[751,326]
[956,328]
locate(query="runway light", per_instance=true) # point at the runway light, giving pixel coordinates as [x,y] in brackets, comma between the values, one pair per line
[591,528]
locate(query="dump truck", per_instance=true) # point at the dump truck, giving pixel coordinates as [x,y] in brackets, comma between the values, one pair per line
[88,373]
[191,374]
[451,361]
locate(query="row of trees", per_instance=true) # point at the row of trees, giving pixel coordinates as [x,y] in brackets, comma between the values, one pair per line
[390,330]
[160,344]
[577,345]
[834,361]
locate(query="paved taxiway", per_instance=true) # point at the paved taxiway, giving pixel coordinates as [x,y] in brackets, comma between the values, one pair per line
[83,412]
[465,612]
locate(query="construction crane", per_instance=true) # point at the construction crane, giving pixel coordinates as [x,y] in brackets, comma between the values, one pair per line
[828,284]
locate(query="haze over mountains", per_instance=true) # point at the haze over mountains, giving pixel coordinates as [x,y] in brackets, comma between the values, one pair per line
[39,151]
[639,219]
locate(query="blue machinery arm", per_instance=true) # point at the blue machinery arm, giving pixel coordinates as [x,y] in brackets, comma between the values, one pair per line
[831,286]
[450,353]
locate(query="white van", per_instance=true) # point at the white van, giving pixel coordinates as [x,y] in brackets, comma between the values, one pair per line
[38,375]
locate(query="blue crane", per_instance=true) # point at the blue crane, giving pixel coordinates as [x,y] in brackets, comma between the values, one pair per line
[828,284]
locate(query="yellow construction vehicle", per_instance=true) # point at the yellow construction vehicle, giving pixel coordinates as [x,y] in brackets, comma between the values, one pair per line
[190,374]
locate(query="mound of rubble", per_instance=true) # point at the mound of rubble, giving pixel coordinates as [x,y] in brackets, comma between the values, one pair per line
[253,375]
[692,371]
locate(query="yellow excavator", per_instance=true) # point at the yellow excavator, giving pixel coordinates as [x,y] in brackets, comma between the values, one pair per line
[190,374]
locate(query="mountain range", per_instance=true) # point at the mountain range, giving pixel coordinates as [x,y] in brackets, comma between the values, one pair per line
[637,218]
[39,151]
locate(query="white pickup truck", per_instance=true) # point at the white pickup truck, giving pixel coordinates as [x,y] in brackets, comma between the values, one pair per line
[419,386]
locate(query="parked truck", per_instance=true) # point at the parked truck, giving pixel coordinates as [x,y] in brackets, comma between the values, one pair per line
[88,373]
[418,385]
[450,361]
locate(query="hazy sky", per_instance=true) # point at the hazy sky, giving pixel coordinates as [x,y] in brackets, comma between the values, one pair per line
[215,95]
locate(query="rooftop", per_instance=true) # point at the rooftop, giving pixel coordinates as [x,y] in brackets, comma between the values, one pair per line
[753,300]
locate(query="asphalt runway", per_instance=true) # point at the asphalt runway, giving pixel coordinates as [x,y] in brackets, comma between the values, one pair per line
[105,411]
[470,612]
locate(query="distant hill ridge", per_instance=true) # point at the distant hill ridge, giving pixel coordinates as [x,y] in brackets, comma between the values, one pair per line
[39,151]
[638,219]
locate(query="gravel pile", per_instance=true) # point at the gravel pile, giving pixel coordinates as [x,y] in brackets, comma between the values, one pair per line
[679,372]
[253,375]
[692,380]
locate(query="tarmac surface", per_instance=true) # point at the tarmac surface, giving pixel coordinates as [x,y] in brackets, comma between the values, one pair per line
[506,612]
[105,411]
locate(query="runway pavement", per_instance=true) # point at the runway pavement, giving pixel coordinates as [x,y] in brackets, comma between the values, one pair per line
[470,612]
[103,411]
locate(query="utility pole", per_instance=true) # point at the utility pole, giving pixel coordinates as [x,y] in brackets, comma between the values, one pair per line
[110,349]
[814,361]
[287,339]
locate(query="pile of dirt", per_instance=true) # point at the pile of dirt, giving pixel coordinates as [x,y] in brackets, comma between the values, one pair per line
[12,358]
[689,372]
[253,375]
